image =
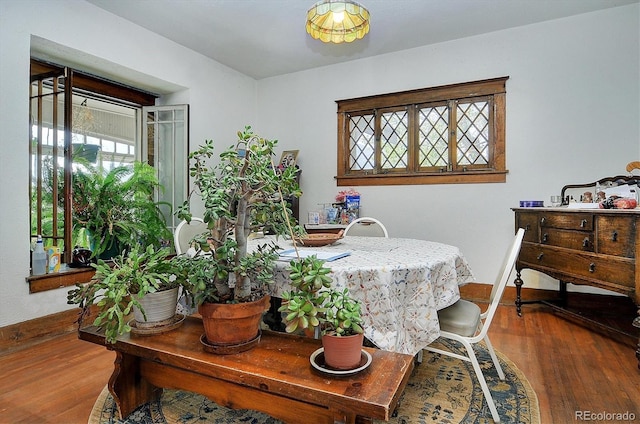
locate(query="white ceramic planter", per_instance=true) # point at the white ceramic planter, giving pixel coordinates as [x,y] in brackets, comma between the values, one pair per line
[159,306]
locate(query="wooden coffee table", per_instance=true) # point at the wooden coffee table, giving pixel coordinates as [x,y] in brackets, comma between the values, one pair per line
[274,377]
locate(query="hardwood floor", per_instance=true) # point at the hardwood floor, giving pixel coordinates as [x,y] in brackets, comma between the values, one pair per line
[570,368]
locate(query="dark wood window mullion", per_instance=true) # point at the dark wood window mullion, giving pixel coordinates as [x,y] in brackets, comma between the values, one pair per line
[54,163]
[38,162]
[453,137]
[413,147]
[344,152]
[492,135]
[31,123]
[68,159]
[377,119]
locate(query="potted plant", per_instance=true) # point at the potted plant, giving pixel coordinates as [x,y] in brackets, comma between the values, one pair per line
[331,312]
[116,208]
[243,192]
[128,285]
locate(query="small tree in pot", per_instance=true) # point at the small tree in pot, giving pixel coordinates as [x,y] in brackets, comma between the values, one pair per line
[244,192]
[331,312]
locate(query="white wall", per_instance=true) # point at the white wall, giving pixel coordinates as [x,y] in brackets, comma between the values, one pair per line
[572,117]
[221,102]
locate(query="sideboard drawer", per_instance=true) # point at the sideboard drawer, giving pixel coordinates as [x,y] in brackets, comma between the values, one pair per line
[577,240]
[589,266]
[574,221]
[616,235]
[528,221]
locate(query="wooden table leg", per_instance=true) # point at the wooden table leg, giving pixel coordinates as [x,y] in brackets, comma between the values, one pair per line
[636,323]
[127,387]
[518,283]
[564,294]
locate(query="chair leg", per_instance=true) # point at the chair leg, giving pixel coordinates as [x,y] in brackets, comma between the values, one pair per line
[418,357]
[494,357]
[483,383]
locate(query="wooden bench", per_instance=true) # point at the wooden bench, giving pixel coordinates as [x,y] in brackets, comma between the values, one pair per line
[275,377]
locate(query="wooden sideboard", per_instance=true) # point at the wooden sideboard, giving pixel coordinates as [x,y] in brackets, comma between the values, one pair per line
[595,247]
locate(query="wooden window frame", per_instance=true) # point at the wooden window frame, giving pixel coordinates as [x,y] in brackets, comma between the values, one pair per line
[75,82]
[495,172]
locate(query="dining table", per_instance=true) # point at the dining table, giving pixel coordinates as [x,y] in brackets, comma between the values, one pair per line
[401,284]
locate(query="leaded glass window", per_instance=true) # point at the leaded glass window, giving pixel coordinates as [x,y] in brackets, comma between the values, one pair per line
[443,134]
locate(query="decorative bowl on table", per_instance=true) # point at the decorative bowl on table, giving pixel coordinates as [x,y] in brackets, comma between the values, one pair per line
[319,239]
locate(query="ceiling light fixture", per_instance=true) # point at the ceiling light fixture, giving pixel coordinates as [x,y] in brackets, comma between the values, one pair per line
[337,21]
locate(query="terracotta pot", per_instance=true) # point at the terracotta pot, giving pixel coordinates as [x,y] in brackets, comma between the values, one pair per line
[228,324]
[342,353]
[158,306]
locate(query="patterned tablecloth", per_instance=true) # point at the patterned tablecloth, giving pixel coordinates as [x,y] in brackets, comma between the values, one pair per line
[400,282]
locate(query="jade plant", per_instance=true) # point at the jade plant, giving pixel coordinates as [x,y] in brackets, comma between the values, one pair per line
[315,304]
[243,192]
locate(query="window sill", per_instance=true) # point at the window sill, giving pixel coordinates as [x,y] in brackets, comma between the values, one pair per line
[468,177]
[56,280]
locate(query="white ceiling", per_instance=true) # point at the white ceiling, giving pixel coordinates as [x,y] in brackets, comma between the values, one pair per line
[264,38]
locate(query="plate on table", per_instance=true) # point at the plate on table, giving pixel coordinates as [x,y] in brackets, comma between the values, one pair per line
[318,363]
[319,239]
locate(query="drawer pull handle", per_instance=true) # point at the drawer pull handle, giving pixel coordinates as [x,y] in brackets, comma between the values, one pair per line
[545,237]
[592,267]
[585,242]
[540,256]
[614,236]
[527,227]
[542,220]
[583,223]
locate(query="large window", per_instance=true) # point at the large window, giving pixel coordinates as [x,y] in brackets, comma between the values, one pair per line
[79,121]
[447,134]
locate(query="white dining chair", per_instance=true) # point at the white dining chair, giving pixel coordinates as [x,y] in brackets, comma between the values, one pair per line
[366,226]
[185,232]
[182,237]
[464,322]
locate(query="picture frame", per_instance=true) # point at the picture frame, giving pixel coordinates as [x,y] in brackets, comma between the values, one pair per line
[289,158]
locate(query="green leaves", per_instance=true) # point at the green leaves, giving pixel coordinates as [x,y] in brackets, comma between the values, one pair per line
[315,303]
[309,275]
[116,206]
[240,194]
[117,287]
[343,313]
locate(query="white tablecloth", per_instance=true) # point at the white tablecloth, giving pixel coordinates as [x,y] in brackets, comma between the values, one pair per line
[400,282]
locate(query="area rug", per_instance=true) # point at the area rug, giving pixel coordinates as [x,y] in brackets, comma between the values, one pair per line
[441,390]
